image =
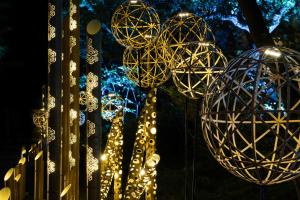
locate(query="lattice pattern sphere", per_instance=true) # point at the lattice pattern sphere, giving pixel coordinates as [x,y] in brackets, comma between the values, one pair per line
[146,67]
[40,118]
[135,24]
[251,120]
[183,29]
[197,68]
[111,105]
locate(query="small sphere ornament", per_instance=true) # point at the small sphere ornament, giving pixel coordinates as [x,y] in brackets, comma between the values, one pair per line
[251,119]
[135,24]
[183,29]
[40,118]
[146,67]
[198,68]
[111,105]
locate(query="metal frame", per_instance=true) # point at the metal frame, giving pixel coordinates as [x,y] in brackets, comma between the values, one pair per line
[251,119]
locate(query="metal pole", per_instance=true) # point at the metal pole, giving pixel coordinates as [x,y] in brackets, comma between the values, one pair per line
[93,96]
[65,136]
[74,73]
[54,98]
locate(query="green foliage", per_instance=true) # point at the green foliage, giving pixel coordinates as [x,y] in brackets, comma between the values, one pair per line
[2,51]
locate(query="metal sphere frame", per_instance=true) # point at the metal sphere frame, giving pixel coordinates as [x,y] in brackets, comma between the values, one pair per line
[251,120]
[181,30]
[146,67]
[112,104]
[197,68]
[135,24]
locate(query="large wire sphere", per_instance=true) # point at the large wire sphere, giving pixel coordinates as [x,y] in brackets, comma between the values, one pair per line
[197,68]
[251,120]
[181,30]
[146,67]
[111,105]
[135,24]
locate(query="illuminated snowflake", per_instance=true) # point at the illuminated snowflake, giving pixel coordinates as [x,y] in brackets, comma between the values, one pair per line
[92,163]
[92,53]
[92,81]
[73,115]
[73,138]
[82,98]
[51,135]
[91,103]
[51,29]
[73,23]
[51,102]
[72,160]
[50,166]
[51,58]
[90,128]
[72,43]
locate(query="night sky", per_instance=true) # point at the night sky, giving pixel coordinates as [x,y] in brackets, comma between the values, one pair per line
[23,71]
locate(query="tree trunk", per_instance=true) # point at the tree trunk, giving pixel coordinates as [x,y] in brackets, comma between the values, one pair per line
[261,37]
[258,29]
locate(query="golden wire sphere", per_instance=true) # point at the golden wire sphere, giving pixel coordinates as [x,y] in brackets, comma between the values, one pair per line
[183,29]
[111,105]
[197,68]
[251,120]
[40,118]
[135,24]
[146,67]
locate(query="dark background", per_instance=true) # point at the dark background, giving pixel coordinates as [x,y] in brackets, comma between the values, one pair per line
[23,71]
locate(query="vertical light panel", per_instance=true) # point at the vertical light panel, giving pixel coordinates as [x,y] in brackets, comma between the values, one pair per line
[142,170]
[65,104]
[54,98]
[39,176]
[74,73]
[111,159]
[93,104]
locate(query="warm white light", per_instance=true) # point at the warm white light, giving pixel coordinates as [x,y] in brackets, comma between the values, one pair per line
[103,157]
[205,44]
[73,114]
[133,1]
[153,161]
[73,66]
[148,36]
[184,14]
[153,130]
[142,172]
[273,52]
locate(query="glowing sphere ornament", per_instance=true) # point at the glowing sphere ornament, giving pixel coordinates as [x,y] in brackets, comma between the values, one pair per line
[183,29]
[198,68]
[251,120]
[146,67]
[40,118]
[135,24]
[111,105]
